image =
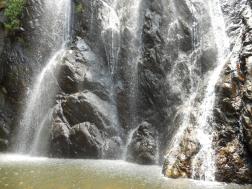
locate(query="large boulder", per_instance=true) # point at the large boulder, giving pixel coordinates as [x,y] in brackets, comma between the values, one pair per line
[78,71]
[88,107]
[60,143]
[86,141]
[82,140]
[143,147]
[71,73]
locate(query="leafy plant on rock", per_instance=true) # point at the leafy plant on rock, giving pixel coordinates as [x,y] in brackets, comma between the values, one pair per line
[13,12]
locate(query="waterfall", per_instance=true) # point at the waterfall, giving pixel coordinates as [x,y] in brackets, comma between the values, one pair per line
[129,139]
[203,163]
[110,33]
[134,25]
[33,130]
[118,16]
[204,129]
[188,108]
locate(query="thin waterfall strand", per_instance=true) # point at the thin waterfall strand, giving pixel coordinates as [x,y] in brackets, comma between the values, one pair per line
[204,131]
[44,89]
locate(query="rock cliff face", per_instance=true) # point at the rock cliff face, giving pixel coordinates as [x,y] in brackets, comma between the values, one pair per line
[232,118]
[232,112]
[138,87]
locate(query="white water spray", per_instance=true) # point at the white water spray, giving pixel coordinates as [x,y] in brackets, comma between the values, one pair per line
[203,164]
[110,33]
[206,156]
[119,16]
[35,119]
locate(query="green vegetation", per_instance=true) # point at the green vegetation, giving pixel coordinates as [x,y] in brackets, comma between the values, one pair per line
[13,11]
[79,8]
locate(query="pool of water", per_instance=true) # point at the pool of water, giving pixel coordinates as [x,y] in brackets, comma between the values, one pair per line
[23,172]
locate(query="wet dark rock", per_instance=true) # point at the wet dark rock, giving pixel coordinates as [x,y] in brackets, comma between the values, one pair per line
[185,42]
[6,119]
[184,154]
[225,89]
[87,107]
[122,106]
[143,146]
[60,142]
[71,73]
[208,59]
[231,158]
[2,34]
[3,144]
[232,139]
[247,121]
[86,141]
[80,70]
[152,93]
[112,148]
[4,129]
[82,140]
[15,82]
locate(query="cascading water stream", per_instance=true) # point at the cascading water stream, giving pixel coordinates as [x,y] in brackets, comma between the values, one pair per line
[188,107]
[206,155]
[203,163]
[111,33]
[129,139]
[34,123]
[134,25]
[117,16]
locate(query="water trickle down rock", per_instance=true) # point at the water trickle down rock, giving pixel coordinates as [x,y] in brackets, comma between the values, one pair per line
[191,153]
[230,113]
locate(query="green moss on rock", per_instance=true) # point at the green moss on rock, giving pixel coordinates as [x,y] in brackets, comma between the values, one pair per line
[79,8]
[13,11]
